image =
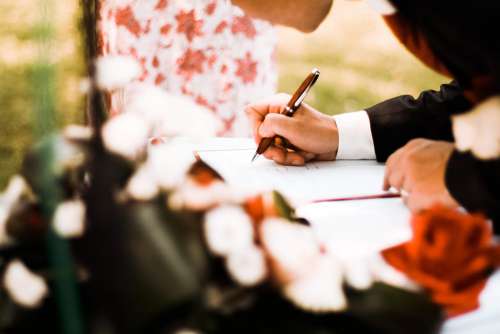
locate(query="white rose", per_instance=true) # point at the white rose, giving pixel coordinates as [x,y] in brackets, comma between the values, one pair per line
[171,115]
[114,72]
[291,246]
[247,266]
[69,219]
[169,163]
[320,289]
[142,185]
[24,287]
[126,134]
[479,129]
[228,228]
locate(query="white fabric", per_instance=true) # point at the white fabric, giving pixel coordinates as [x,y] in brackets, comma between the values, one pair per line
[355,136]
[383,7]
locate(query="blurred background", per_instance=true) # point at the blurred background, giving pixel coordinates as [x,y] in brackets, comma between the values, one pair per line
[361,64]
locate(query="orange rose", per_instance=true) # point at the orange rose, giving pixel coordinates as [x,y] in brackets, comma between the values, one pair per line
[203,174]
[451,255]
[268,205]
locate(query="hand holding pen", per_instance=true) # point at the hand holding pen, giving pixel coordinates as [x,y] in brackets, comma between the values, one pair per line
[313,134]
[292,106]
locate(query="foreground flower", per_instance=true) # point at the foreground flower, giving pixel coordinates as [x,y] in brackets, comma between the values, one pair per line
[16,189]
[451,255]
[191,195]
[310,278]
[247,266]
[478,130]
[24,287]
[267,205]
[142,185]
[319,290]
[126,134]
[69,219]
[114,72]
[228,229]
[291,247]
[169,114]
[169,163]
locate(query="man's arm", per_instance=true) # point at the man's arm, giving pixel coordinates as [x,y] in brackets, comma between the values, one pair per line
[396,121]
[429,170]
[475,184]
[304,15]
[472,182]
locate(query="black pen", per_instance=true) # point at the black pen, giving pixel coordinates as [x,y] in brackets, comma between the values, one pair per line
[290,109]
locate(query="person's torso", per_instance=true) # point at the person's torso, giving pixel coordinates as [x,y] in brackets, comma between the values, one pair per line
[208,50]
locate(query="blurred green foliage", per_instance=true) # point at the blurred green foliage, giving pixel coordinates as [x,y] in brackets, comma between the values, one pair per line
[18,34]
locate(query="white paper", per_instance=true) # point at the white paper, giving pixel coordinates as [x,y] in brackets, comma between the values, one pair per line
[314,181]
[359,228]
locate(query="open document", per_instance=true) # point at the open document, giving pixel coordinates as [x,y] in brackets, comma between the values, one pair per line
[313,182]
[362,226]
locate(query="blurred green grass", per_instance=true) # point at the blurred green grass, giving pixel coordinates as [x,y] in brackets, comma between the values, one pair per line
[17,63]
[361,64]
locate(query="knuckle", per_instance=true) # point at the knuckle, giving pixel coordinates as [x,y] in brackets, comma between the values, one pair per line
[410,159]
[248,109]
[415,141]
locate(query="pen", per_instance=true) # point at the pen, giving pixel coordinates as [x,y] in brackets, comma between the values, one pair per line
[292,106]
[358,198]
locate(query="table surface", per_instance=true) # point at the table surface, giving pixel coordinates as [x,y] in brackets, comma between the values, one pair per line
[369,226]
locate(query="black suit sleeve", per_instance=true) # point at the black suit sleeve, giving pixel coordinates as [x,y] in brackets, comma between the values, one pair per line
[396,121]
[474,183]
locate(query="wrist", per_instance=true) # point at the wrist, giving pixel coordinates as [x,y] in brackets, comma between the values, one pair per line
[335,137]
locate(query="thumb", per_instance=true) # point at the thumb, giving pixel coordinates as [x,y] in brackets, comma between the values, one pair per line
[278,125]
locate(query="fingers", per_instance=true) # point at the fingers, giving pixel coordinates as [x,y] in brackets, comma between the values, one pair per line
[394,173]
[285,157]
[417,202]
[256,112]
[395,179]
[279,125]
[307,155]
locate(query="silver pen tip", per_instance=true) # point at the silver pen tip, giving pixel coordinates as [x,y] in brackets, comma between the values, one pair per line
[255,156]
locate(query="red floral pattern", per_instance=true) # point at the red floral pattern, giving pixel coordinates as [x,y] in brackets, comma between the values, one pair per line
[162,4]
[188,24]
[244,25]
[191,62]
[247,69]
[125,17]
[207,50]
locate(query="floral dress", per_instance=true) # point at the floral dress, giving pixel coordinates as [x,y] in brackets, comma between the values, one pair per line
[207,50]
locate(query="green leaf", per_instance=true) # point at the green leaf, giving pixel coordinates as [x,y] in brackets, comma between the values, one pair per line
[284,209]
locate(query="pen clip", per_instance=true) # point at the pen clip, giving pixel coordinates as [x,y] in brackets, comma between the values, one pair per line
[315,73]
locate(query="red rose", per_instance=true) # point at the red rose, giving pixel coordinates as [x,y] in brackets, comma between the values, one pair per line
[451,255]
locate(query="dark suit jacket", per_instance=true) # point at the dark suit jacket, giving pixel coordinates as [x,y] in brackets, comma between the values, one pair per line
[459,39]
[474,183]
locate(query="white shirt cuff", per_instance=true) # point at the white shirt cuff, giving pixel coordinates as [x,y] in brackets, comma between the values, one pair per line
[355,136]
